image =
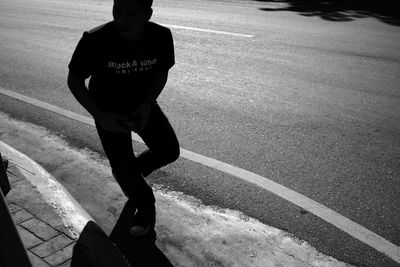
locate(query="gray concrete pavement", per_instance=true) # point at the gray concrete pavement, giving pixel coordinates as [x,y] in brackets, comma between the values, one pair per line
[47,240]
[190,233]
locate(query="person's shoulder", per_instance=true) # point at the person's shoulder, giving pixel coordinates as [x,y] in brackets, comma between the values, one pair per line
[100,30]
[157,29]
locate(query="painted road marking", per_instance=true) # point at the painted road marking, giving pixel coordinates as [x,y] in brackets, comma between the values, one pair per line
[208,30]
[352,228]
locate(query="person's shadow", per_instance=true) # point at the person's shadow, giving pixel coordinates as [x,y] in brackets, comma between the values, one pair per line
[387,11]
[139,251]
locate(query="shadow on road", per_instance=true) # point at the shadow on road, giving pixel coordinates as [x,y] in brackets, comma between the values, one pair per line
[387,11]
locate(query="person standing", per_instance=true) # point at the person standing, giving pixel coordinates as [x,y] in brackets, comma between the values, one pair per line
[127,61]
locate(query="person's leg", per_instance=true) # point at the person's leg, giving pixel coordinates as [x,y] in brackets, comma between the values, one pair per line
[161,140]
[125,166]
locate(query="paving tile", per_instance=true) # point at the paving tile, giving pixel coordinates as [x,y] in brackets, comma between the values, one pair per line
[60,256]
[51,246]
[21,216]
[39,228]
[13,208]
[28,238]
[36,261]
[25,196]
[12,179]
[13,176]
[65,264]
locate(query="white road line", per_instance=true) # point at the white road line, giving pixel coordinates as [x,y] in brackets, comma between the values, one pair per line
[208,30]
[357,231]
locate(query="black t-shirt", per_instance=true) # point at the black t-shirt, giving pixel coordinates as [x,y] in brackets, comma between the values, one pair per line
[120,71]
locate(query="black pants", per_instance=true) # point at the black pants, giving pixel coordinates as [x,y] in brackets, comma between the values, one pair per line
[129,170]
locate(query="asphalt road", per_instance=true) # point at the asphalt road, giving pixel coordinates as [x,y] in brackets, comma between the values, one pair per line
[309,103]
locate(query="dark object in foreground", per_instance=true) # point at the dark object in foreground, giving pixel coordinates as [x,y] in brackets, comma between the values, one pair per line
[139,251]
[4,183]
[94,248]
[13,253]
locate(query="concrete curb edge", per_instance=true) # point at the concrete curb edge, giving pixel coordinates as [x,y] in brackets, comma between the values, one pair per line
[72,214]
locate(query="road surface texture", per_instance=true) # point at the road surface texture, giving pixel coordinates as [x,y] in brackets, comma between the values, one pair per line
[296,96]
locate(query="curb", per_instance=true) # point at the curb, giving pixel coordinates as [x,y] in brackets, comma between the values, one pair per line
[72,214]
[188,232]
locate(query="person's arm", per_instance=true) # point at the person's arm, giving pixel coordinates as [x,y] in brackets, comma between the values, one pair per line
[164,64]
[157,84]
[158,79]
[109,121]
[78,89]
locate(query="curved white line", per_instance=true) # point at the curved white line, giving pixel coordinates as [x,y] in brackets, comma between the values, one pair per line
[357,231]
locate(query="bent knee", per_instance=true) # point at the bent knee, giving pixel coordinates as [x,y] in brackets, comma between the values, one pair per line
[173,154]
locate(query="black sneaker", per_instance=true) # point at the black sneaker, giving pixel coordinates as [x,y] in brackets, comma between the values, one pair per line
[143,221]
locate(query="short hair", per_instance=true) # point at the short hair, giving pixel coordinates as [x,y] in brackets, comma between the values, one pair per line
[145,3]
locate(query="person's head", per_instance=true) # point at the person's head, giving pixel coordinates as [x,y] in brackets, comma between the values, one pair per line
[130,16]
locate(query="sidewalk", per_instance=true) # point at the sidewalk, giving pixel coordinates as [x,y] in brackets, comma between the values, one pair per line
[189,233]
[47,240]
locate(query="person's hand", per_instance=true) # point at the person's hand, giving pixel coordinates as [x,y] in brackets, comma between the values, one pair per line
[113,122]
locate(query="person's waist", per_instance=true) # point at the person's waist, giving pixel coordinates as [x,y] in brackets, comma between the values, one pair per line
[121,105]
